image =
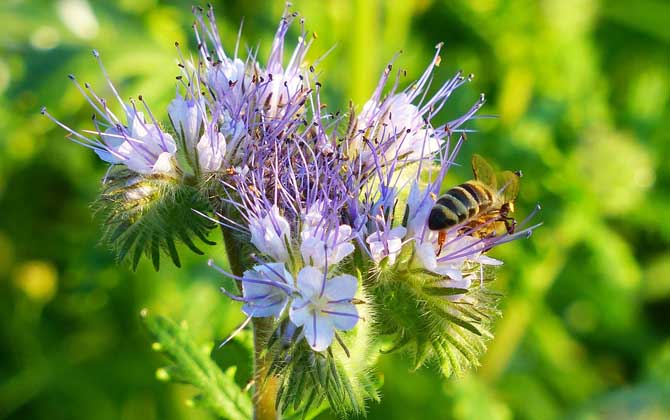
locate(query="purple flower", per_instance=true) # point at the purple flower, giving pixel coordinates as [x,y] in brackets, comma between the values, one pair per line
[317,241]
[323,306]
[271,234]
[386,244]
[142,147]
[139,145]
[265,290]
[186,116]
[211,150]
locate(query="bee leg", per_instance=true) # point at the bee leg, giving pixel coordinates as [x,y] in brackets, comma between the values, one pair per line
[510,222]
[441,239]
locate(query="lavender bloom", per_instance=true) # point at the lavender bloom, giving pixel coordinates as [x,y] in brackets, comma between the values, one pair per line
[285,84]
[141,146]
[242,96]
[211,150]
[323,306]
[397,130]
[319,242]
[265,290]
[186,116]
[386,244]
[271,234]
[397,125]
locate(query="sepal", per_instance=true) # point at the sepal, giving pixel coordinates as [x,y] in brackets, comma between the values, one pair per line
[148,215]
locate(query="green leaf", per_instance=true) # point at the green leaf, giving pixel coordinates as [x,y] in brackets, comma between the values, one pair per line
[192,365]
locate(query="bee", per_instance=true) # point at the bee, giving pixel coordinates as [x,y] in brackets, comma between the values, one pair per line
[477,204]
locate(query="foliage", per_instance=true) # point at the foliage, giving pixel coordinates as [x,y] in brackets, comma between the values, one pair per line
[192,365]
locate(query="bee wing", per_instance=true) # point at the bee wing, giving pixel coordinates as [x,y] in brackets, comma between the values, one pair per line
[510,187]
[483,171]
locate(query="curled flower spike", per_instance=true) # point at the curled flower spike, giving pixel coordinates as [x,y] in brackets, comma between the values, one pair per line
[141,146]
[323,306]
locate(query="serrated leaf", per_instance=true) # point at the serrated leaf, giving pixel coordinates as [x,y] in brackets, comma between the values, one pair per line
[219,392]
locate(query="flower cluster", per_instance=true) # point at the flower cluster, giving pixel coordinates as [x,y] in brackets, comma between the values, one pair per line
[328,210]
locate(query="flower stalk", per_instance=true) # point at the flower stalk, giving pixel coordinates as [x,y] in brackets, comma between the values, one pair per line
[265,386]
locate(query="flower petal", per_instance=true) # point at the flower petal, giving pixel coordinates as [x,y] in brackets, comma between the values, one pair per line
[163,163]
[271,306]
[343,315]
[310,281]
[300,313]
[341,287]
[313,251]
[319,332]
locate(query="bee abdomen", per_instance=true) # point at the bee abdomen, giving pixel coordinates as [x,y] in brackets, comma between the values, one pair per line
[458,204]
[441,217]
[481,195]
[450,209]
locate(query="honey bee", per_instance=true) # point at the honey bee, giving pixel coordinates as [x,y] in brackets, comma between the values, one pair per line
[477,204]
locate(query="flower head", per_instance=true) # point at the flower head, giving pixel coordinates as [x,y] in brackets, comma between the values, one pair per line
[317,200]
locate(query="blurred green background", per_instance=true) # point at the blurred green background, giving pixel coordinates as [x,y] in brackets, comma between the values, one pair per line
[581,92]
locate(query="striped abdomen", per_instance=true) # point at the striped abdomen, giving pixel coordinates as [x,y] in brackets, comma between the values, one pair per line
[460,204]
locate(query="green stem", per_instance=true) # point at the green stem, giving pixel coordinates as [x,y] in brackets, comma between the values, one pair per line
[265,388]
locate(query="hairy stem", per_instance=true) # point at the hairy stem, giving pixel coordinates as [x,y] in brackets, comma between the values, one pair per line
[265,388]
